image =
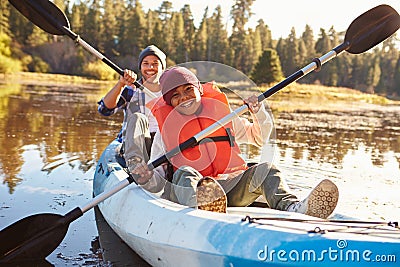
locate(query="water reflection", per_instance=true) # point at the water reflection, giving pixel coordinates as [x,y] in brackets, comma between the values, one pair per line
[54,119]
[52,138]
[114,250]
[329,136]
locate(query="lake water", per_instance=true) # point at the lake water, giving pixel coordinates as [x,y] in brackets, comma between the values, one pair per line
[53,136]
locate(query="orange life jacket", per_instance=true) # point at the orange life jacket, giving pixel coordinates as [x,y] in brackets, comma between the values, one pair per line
[209,158]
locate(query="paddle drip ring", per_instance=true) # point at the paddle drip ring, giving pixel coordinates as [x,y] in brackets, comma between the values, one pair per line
[317,61]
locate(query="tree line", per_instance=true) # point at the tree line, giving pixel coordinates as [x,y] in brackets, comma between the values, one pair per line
[121,29]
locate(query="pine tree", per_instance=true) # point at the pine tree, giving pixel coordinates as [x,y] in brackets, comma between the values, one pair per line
[157,38]
[388,60]
[268,68]
[240,12]
[178,35]
[189,31]
[167,34]
[200,40]
[281,50]
[217,43]
[309,43]
[93,25]
[373,75]
[257,47]
[292,50]
[356,72]
[165,11]
[109,19]
[154,29]
[265,35]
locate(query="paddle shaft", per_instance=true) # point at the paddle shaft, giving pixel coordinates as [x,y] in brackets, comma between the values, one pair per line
[67,31]
[106,194]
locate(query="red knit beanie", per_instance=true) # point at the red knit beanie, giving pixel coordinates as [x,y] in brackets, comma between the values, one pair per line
[175,77]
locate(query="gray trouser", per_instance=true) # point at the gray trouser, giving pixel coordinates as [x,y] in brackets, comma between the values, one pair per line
[137,140]
[261,179]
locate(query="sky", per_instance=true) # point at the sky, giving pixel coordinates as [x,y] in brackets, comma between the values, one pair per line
[282,15]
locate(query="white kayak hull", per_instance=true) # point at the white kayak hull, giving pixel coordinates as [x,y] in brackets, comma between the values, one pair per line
[168,234]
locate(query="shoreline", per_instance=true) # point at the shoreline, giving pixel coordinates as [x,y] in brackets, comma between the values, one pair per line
[294,97]
[50,79]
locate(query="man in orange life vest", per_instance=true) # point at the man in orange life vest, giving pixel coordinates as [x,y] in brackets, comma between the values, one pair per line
[186,108]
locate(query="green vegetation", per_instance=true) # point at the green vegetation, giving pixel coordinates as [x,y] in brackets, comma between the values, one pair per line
[7,64]
[268,69]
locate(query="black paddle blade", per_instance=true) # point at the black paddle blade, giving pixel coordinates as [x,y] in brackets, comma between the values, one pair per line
[43,14]
[371,28]
[32,238]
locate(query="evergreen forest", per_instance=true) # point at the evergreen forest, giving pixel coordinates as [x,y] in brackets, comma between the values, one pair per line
[120,29]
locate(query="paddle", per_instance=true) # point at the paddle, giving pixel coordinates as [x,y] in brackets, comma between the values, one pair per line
[51,19]
[38,235]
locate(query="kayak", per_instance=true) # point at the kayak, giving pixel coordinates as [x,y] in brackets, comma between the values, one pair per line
[165,233]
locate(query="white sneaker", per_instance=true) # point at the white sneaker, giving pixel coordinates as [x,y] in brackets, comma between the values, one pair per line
[321,201]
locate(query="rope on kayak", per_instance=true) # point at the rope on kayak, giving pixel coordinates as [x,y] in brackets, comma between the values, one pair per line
[364,227]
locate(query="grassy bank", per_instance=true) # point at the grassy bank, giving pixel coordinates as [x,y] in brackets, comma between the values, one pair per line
[310,97]
[293,97]
[49,79]
[317,97]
